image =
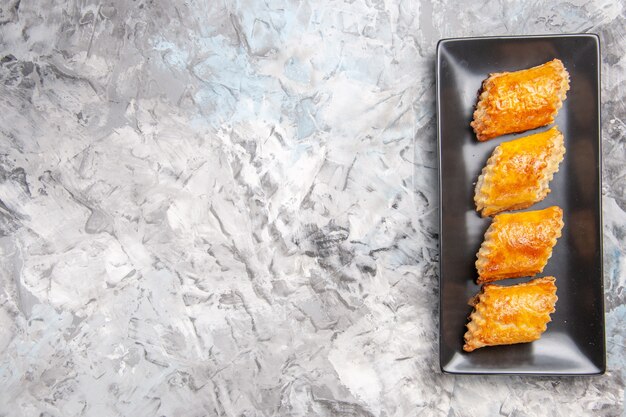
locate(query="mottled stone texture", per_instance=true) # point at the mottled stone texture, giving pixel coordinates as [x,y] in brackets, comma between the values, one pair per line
[214,208]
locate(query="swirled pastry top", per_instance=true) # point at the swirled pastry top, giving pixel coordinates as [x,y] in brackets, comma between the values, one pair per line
[518,173]
[518,244]
[522,100]
[508,315]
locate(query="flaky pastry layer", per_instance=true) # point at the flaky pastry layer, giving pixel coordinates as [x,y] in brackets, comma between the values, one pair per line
[518,244]
[509,315]
[519,172]
[518,101]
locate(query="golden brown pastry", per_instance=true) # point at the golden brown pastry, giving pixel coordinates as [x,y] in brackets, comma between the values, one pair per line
[508,315]
[518,244]
[517,101]
[518,173]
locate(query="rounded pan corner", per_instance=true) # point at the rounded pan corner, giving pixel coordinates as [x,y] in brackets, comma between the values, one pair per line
[592,40]
[591,35]
[446,370]
[444,365]
[441,43]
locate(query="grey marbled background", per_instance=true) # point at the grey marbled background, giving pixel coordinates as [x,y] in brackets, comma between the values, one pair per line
[213,208]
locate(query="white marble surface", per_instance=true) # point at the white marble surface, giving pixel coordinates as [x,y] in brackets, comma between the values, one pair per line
[214,208]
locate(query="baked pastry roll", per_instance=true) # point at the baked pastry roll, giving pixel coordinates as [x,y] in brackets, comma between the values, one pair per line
[518,244]
[508,315]
[518,173]
[522,100]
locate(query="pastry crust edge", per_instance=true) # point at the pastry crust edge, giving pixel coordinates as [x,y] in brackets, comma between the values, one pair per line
[480,116]
[488,245]
[486,178]
[475,318]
